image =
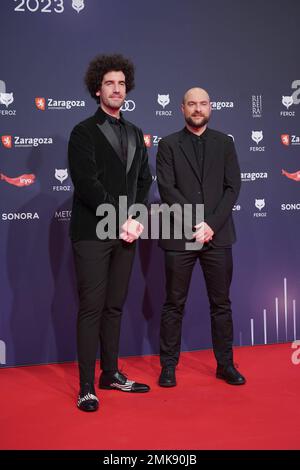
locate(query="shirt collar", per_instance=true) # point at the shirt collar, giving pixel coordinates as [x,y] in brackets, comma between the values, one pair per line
[113,120]
[203,136]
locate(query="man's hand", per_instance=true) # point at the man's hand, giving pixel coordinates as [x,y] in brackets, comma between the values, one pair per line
[131,230]
[203,233]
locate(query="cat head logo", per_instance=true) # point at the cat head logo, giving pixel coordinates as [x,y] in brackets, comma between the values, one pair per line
[285,139]
[260,204]
[287,101]
[40,103]
[163,100]
[61,174]
[6,141]
[78,5]
[6,98]
[147,140]
[257,136]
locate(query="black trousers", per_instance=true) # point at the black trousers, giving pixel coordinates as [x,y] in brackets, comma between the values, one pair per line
[103,270]
[216,264]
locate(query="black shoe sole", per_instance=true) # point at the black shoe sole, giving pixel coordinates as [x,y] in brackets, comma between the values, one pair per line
[228,382]
[108,387]
[88,411]
[167,385]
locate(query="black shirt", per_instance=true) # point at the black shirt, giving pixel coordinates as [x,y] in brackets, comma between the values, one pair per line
[119,127]
[199,148]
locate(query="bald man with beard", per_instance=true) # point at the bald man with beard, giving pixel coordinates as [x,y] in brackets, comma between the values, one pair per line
[199,165]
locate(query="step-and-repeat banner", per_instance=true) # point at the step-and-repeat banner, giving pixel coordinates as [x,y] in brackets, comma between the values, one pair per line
[245,53]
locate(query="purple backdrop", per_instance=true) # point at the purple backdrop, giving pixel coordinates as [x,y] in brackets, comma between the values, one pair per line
[245,54]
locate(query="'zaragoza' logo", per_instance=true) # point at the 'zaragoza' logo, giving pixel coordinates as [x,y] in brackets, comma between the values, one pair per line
[78,5]
[163,100]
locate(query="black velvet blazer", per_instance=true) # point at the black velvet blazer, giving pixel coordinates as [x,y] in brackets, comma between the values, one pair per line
[99,174]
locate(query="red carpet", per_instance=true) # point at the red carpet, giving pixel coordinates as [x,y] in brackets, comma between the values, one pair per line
[38,406]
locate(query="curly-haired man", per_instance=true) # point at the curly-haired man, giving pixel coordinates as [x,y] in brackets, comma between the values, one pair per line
[107,160]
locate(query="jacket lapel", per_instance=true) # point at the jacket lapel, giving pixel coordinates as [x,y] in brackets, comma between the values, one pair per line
[131,146]
[110,135]
[104,126]
[210,153]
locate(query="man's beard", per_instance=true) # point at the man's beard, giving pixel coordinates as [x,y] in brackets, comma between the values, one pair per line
[114,104]
[197,125]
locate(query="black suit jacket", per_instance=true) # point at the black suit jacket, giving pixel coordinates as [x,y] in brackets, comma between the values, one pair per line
[179,182]
[99,174]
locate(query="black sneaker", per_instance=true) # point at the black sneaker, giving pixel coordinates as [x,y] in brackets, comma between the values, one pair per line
[118,381]
[87,399]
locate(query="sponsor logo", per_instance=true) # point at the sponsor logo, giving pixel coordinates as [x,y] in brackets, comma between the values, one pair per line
[291,100]
[151,140]
[218,105]
[78,5]
[19,181]
[6,99]
[128,105]
[9,141]
[19,216]
[6,141]
[260,204]
[287,139]
[61,175]
[253,176]
[147,140]
[42,104]
[287,101]
[63,216]
[256,101]
[292,176]
[163,100]
[290,206]
[257,136]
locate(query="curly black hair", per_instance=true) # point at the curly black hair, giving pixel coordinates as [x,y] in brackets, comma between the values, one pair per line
[103,64]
